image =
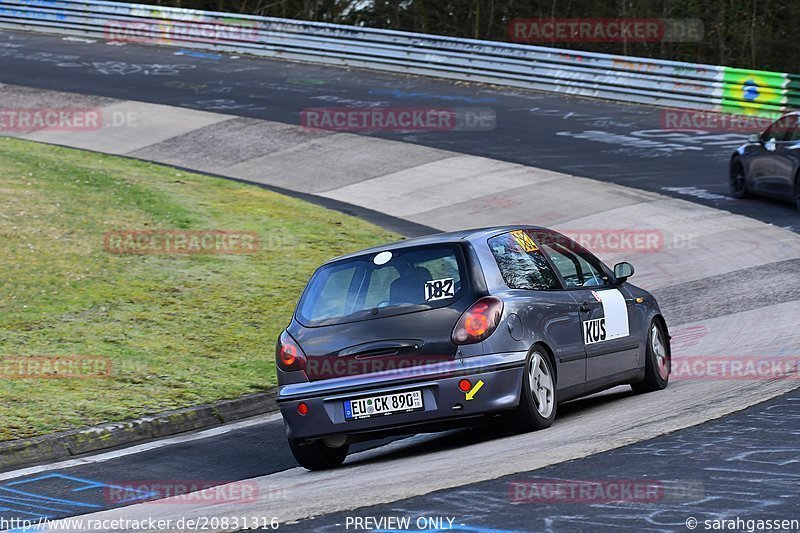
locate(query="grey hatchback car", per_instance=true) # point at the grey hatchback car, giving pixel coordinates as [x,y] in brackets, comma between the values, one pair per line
[454,328]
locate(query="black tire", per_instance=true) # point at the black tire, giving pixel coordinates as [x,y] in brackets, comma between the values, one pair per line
[797,191]
[316,455]
[737,181]
[658,360]
[532,413]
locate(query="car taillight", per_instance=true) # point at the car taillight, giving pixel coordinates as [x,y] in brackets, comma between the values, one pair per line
[479,321]
[288,354]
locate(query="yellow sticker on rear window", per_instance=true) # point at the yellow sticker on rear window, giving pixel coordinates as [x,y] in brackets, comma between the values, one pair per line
[524,240]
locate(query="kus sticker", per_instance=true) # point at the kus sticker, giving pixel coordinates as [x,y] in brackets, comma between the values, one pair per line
[594,331]
[439,289]
[524,241]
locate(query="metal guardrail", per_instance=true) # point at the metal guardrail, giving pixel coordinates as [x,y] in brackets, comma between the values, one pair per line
[631,79]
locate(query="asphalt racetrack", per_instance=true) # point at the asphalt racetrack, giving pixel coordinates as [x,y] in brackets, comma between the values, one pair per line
[628,145]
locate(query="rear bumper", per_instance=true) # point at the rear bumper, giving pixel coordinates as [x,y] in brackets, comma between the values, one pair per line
[443,401]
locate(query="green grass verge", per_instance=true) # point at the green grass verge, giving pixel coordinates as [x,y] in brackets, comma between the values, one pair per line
[179,330]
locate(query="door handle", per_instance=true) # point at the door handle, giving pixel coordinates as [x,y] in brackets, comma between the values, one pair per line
[585,307]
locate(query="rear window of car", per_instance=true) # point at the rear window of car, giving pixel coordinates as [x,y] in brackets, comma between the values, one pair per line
[382,284]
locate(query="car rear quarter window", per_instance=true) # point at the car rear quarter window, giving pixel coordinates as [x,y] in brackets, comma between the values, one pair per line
[521,263]
[412,279]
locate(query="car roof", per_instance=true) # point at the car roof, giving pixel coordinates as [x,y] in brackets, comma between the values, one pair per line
[469,235]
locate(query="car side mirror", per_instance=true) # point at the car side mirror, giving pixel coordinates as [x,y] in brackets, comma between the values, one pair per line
[622,271]
[754,138]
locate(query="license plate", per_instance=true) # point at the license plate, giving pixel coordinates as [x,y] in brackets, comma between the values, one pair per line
[386,404]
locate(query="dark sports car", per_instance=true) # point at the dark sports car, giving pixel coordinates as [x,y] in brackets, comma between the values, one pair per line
[769,163]
[447,329]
